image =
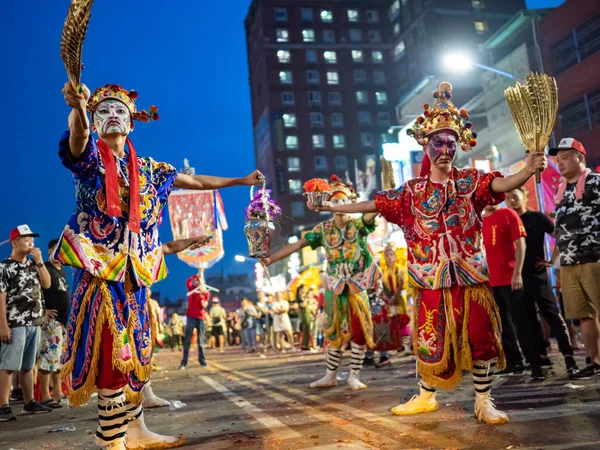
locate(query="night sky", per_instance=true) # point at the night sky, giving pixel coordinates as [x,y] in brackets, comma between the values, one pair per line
[189,61]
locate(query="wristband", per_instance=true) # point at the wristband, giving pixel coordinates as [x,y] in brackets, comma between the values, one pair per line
[40,265]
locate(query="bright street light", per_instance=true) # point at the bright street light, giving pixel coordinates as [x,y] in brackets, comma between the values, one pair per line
[458,62]
[240,258]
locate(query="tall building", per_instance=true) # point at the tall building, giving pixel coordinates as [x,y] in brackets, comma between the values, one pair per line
[320,82]
[425,31]
[571,49]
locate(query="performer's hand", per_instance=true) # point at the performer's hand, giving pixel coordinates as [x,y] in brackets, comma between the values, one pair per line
[51,314]
[325,207]
[266,261]
[5,333]
[199,242]
[76,100]
[36,255]
[536,161]
[517,282]
[253,179]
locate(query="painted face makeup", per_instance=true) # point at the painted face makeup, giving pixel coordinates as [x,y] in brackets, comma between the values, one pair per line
[112,116]
[442,144]
[339,199]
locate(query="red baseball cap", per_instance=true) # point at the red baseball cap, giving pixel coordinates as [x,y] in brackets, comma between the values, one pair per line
[568,144]
[21,231]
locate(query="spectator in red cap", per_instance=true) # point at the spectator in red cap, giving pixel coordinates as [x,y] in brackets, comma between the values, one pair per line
[21,316]
[577,231]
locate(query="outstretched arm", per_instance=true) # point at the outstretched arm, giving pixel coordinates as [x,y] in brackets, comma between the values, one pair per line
[511,182]
[208,183]
[351,208]
[79,133]
[285,251]
[180,245]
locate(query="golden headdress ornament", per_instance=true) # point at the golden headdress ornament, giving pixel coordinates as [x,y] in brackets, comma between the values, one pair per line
[337,185]
[443,115]
[116,92]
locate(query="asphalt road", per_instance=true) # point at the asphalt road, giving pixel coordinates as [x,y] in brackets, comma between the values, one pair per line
[262,401]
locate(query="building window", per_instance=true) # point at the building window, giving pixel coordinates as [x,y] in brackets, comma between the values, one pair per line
[282,35]
[364,118]
[311,56]
[285,76]
[314,98]
[366,140]
[377,57]
[481,27]
[397,28]
[297,210]
[372,16]
[353,15]
[295,186]
[287,98]
[312,76]
[330,57]
[329,36]
[321,163]
[339,141]
[291,142]
[374,36]
[362,97]
[283,56]
[357,56]
[326,16]
[360,76]
[341,163]
[399,50]
[281,14]
[384,118]
[335,99]
[337,120]
[306,14]
[316,119]
[333,78]
[478,4]
[394,10]
[318,141]
[308,35]
[381,97]
[575,116]
[378,77]
[293,164]
[355,35]
[289,120]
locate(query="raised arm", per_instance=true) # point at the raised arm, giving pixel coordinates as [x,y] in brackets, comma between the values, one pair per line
[511,182]
[285,251]
[180,245]
[367,208]
[79,135]
[208,183]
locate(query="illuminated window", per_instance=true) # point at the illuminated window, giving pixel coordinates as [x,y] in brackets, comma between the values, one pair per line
[308,35]
[377,57]
[362,97]
[333,78]
[399,50]
[318,141]
[478,4]
[339,141]
[285,76]
[381,97]
[481,27]
[293,164]
[353,15]
[295,186]
[284,56]
[330,57]
[282,35]
[289,120]
[326,16]
[357,56]
[291,142]
[396,28]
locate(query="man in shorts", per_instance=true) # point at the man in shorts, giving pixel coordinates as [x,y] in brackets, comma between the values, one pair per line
[22,277]
[218,317]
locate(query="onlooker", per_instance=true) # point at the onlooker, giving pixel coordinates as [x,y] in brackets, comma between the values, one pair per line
[536,283]
[249,324]
[294,314]
[504,240]
[261,319]
[56,299]
[233,329]
[218,316]
[269,321]
[21,316]
[303,300]
[577,230]
[281,322]
[175,331]
[195,314]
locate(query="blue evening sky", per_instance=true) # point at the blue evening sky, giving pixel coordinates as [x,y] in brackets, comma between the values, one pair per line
[188,58]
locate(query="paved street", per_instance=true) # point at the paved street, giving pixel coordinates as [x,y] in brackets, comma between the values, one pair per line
[262,402]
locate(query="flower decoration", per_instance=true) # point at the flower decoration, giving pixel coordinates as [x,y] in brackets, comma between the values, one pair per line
[263,207]
[317,185]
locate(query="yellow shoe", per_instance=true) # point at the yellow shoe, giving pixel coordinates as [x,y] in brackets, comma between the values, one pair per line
[486,411]
[420,403]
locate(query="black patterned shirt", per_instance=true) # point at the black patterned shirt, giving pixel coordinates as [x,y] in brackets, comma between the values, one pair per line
[20,282]
[577,227]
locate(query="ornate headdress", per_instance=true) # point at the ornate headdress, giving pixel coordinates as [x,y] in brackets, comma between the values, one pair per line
[116,92]
[443,115]
[337,185]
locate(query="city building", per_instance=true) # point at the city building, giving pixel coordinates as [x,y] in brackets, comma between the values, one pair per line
[322,97]
[571,50]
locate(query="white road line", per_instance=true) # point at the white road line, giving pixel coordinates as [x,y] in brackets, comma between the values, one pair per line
[274,425]
[353,445]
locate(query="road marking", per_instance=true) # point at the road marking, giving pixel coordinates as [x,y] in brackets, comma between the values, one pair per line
[270,422]
[393,425]
[367,436]
[355,445]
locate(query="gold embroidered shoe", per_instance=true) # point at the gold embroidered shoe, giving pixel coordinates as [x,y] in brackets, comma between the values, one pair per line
[419,403]
[486,411]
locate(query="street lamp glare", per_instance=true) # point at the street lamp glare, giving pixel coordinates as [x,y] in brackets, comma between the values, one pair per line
[240,258]
[458,62]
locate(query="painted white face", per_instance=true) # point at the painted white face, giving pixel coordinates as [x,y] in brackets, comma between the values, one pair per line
[112,116]
[339,199]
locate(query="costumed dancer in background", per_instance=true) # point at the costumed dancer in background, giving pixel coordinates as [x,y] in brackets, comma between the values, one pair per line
[112,242]
[456,321]
[350,272]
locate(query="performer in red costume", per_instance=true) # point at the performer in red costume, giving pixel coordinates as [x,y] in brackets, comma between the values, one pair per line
[456,322]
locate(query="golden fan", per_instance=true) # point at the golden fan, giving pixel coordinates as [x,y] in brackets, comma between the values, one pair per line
[73,35]
[533,107]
